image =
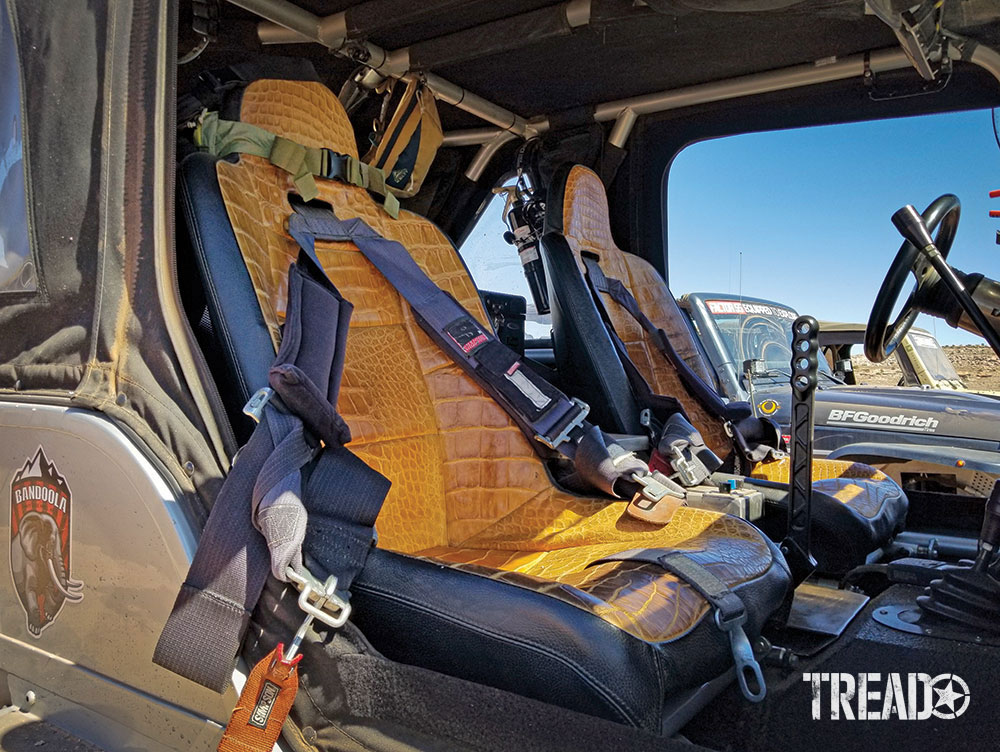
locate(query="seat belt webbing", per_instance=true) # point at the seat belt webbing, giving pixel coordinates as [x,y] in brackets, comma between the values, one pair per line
[617,291]
[259,520]
[755,440]
[304,163]
[542,411]
[729,611]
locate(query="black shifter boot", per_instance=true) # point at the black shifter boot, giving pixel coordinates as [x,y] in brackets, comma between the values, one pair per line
[971,595]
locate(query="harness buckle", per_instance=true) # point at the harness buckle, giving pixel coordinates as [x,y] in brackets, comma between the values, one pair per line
[656,489]
[256,404]
[567,428]
[334,165]
[690,472]
[316,599]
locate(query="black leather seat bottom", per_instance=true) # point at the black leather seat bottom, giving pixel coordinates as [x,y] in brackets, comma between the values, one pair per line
[851,518]
[420,612]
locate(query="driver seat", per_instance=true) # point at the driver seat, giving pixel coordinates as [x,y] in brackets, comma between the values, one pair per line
[484,569]
[857,509]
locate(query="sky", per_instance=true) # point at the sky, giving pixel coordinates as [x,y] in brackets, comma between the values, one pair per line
[809,210]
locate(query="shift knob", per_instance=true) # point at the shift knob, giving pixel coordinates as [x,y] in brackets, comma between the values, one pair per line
[911,226]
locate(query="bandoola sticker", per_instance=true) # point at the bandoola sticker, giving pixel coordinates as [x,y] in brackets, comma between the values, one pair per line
[40,506]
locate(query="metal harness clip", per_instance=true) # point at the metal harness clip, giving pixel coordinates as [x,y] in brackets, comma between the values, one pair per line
[576,421]
[656,488]
[256,404]
[743,655]
[315,598]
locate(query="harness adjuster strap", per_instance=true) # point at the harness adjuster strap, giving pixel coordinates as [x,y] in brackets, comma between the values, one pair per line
[729,614]
[561,432]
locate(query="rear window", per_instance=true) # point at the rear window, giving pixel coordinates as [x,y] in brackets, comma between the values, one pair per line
[18,271]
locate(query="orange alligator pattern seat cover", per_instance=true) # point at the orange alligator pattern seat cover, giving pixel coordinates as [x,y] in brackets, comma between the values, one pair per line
[586,227]
[467,487]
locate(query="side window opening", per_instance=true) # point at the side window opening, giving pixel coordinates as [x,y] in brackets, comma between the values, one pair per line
[800,217]
[18,270]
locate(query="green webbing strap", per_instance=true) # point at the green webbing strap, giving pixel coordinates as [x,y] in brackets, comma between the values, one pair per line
[303,163]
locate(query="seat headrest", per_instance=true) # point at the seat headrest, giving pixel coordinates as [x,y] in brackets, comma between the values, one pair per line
[578,209]
[305,112]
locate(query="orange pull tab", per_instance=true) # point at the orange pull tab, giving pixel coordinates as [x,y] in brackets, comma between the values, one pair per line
[263,705]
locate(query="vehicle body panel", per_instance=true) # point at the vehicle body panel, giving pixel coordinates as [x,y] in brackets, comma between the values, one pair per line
[131,546]
[940,425]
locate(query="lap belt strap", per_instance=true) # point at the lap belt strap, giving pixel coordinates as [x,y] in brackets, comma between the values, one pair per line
[258,523]
[753,438]
[304,163]
[729,612]
[543,412]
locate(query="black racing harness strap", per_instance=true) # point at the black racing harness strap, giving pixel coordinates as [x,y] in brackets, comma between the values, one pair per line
[729,611]
[753,439]
[282,479]
[542,411]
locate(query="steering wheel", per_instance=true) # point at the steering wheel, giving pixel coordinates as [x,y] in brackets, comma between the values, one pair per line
[881,337]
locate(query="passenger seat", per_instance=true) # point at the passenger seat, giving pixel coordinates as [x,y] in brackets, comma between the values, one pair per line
[857,509]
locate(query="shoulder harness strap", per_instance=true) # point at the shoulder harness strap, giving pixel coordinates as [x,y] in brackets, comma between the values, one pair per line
[261,513]
[552,420]
[752,439]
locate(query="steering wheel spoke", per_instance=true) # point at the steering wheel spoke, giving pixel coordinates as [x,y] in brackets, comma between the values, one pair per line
[899,328]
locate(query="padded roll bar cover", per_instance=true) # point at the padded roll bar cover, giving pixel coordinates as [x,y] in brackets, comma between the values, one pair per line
[585,355]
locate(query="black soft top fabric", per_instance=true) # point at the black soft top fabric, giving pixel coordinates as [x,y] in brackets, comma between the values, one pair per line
[93,335]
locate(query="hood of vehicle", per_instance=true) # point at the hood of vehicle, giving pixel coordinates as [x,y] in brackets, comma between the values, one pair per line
[937,412]
[910,410]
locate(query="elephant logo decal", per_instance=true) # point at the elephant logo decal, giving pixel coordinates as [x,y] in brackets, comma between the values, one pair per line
[40,505]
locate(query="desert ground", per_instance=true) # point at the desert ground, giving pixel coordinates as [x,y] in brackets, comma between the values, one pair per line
[977,366]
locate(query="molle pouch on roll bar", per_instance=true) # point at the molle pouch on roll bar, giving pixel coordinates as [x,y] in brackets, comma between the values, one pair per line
[407,147]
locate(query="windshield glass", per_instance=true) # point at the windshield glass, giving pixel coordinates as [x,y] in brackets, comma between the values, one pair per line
[933,356]
[759,331]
